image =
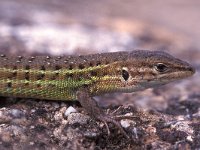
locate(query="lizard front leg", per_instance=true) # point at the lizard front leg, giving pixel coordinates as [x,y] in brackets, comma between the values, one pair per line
[92,108]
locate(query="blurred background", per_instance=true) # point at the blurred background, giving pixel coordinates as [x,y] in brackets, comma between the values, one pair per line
[67,26]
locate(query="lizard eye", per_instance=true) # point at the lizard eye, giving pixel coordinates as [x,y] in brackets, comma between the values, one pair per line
[125,74]
[160,67]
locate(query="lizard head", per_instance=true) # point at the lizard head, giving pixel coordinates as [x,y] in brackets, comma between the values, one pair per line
[145,69]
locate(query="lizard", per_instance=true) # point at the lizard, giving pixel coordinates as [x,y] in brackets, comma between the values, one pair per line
[85,76]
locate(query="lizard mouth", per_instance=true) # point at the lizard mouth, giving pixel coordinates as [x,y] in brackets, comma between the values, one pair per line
[183,73]
[190,71]
[178,75]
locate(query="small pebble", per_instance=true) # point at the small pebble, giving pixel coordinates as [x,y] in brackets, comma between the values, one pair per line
[70,110]
[183,126]
[189,138]
[135,131]
[16,113]
[127,123]
[77,118]
[91,134]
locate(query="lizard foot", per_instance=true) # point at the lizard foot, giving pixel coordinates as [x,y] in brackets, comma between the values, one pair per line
[92,108]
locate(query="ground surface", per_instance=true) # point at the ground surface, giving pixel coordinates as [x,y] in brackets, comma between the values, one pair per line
[164,118]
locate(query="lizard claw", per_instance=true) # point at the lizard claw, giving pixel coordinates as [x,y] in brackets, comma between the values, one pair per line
[106,119]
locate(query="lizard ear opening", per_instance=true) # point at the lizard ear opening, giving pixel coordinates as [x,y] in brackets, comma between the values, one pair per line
[125,74]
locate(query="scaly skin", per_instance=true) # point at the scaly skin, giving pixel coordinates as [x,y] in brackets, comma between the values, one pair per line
[61,78]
